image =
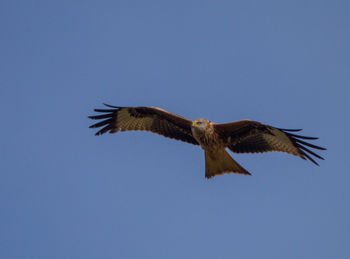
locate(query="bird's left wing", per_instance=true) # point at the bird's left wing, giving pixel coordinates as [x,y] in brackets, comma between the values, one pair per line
[248,136]
[151,119]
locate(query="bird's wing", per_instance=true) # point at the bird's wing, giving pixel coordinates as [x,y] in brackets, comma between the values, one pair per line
[151,119]
[247,136]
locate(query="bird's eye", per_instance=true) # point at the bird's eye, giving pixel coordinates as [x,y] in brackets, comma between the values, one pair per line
[199,122]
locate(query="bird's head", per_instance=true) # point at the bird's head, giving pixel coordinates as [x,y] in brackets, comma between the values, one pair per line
[200,124]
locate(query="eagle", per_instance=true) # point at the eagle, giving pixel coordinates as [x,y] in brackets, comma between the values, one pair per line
[244,136]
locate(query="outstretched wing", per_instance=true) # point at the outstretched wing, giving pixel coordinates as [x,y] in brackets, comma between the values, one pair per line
[253,137]
[151,119]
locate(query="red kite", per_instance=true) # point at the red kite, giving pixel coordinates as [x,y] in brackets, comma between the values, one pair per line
[243,136]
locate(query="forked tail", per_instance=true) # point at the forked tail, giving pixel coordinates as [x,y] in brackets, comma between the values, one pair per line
[219,162]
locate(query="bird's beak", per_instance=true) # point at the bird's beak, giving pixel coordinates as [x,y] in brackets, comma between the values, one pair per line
[194,124]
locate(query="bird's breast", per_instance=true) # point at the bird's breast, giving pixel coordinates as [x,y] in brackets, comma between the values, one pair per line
[207,139]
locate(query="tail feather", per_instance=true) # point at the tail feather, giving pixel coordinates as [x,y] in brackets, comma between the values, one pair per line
[219,162]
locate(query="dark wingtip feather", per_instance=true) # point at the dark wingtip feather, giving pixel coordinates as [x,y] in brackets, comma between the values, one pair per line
[102,123]
[292,130]
[302,137]
[302,145]
[104,110]
[99,117]
[109,117]
[309,151]
[112,106]
[310,158]
[104,130]
[308,144]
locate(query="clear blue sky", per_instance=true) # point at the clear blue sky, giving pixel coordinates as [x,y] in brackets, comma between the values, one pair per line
[65,193]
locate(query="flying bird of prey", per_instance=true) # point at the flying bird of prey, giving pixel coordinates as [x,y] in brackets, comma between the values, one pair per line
[243,136]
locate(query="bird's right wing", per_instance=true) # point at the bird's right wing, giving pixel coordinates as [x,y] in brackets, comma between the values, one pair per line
[151,119]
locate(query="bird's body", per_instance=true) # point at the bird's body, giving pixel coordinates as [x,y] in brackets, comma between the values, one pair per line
[205,134]
[217,160]
[243,136]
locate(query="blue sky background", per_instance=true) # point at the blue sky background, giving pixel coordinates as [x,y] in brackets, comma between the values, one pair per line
[65,193]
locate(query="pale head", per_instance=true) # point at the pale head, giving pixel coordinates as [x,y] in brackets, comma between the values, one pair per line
[200,124]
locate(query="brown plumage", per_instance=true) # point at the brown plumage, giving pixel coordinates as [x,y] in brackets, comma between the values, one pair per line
[243,136]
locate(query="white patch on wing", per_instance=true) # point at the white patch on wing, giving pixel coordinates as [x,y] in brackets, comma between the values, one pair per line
[133,123]
[281,141]
[123,119]
[127,122]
